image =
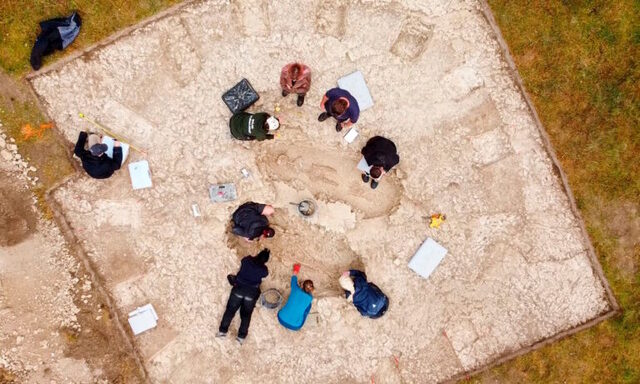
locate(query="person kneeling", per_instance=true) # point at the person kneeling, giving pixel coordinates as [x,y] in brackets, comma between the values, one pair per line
[251,222]
[91,151]
[253,126]
[365,296]
[381,154]
[294,313]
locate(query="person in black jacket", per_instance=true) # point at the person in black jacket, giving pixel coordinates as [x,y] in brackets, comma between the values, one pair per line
[365,296]
[94,160]
[245,293]
[381,154]
[250,221]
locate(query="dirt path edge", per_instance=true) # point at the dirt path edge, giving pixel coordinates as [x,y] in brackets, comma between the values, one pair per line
[76,248]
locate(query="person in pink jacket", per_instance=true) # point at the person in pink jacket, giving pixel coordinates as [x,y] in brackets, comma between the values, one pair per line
[295,78]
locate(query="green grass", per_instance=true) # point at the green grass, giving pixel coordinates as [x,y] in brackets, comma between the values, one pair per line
[580,63]
[19,24]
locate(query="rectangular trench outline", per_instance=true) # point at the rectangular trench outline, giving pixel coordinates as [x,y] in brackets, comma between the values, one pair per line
[615,309]
[486,12]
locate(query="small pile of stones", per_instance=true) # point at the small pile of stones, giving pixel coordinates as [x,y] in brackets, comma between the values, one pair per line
[9,154]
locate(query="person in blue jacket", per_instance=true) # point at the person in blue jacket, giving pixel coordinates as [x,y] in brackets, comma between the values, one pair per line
[366,297]
[340,105]
[295,311]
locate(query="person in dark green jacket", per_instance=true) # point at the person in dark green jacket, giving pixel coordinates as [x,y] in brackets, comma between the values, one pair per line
[253,126]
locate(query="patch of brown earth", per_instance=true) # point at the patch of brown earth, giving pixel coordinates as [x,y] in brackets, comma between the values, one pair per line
[17,219]
[624,222]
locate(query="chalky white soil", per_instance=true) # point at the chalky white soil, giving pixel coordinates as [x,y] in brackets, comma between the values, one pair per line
[517,270]
[37,288]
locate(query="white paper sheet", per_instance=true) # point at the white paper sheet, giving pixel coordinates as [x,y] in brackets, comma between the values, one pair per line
[143,319]
[140,174]
[109,141]
[363,166]
[351,135]
[427,258]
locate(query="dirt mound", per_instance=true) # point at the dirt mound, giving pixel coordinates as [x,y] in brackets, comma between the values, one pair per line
[329,174]
[323,255]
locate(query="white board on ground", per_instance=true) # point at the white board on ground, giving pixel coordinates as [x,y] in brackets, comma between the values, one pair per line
[427,258]
[357,87]
[143,319]
[110,142]
[140,174]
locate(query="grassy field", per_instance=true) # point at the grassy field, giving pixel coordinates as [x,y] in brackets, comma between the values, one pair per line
[19,24]
[579,61]
[580,64]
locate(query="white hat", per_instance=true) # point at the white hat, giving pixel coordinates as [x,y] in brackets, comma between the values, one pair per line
[273,123]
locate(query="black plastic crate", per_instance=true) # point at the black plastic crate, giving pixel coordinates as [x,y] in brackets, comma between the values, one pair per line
[240,97]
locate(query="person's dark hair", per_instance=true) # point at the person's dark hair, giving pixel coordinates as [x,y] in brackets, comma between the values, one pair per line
[268,232]
[294,71]
[376,171]
[338,107]
[263,256]
[307,286]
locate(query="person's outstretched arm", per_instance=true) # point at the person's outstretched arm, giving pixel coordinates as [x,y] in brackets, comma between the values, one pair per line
[294,277]
[82,139]
[116,162]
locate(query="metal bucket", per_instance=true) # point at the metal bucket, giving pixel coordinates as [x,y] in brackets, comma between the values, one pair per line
[306,207]
[271,298]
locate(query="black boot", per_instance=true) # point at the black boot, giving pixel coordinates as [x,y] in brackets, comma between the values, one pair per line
[338,126]
[365,178]
[300,100]
[323,116]
[285,93]
[374,184]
